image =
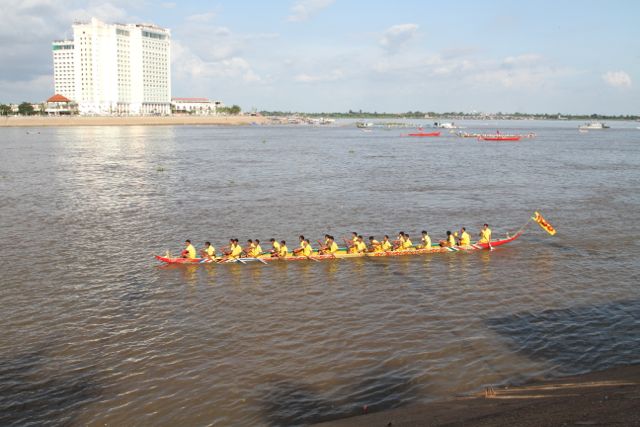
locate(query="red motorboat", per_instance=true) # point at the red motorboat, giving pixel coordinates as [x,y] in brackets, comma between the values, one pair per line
[424,134]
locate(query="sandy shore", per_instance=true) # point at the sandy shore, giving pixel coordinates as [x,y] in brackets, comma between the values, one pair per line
[606,398]
[40,121]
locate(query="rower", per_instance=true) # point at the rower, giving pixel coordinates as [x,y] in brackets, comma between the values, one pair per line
[283,251]
[307,250]
[449,242]
[301,247]
[333,246]
[386,244]
[249,249]
[374,245]
[406,244]
[426,240]
[189,251]
[485,234]
[352,243]
[235,250]
[329,246]
[208,252]
[257,250]
[360,247]
[324,246]
[399,242]
[275,247]
[465,238]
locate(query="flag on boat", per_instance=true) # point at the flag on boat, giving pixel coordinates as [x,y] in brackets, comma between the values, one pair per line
[543,223]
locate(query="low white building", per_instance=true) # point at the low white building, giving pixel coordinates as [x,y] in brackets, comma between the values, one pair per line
[198,106]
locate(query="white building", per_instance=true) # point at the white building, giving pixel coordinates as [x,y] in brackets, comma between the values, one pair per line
[117,69]
[198,106]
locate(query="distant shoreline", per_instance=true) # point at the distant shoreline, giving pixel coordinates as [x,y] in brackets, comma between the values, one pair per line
[46,121]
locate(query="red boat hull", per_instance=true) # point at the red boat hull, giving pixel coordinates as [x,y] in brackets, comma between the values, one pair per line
[424,134]
[500,138]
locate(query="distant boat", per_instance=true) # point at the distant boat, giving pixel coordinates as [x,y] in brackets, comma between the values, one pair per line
[499,138]
[423,134]
[446,125]
[593,126]
[364,124]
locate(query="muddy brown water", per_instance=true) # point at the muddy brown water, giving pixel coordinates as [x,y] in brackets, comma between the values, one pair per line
[95,332]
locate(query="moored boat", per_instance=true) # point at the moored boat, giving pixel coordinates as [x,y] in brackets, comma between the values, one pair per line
[593,126]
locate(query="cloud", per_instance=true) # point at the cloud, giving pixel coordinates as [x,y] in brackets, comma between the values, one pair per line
[332,76]
[617,79]
[168,5]
[201,17]
[396,36]
[302,10]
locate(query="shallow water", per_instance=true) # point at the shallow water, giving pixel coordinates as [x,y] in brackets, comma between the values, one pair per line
[95,332]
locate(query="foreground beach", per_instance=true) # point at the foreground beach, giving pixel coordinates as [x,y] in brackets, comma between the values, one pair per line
[610,397]
[37,121]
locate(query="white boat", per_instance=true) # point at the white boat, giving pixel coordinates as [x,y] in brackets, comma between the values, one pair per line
[593,126]
[446,125]
[364,124]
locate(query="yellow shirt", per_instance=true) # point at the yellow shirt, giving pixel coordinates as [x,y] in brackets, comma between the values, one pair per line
[465,239]
[426,242]
[257,250]
[191,252]
[451,240]
[407,244]
[211,251]
[283,251]
[361,247]
[307,250]
[485,235]
[386,246]
[276,247]
[236,250]
[375,245]
[333,248]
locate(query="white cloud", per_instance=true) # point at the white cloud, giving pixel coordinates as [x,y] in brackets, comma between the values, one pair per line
[168,5]
[201,17]
[617,79]
[302,10]
[397,36]
[332,76]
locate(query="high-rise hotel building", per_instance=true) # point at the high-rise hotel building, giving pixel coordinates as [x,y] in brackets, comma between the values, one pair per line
[115,69]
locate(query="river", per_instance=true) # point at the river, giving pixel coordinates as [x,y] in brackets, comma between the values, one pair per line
[96,332]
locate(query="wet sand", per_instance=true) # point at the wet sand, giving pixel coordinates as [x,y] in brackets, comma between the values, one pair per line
[39,121]
[610,397]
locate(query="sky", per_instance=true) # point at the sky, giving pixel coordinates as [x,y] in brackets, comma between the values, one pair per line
[572,57]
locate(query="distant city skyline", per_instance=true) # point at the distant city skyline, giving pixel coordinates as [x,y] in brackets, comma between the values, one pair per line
[337,55]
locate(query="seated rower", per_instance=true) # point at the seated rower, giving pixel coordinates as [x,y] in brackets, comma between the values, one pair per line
[283,251]
[300,248]
[324,246]
[352,243]
[374,245]
[329,247]
[208,251]
[249,249]
[189,251]
[426,240]
[257,249]
[449,242]
[308,249]
[399,242]
[485,234]
[406,244]
[360,247]
[235,250]
[465,238]
[386,244]
[275,251]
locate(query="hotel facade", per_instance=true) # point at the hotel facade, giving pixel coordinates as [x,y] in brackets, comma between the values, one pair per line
[115,69]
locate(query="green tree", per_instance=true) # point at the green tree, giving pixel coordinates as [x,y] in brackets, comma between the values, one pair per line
[25,109]
[5,110]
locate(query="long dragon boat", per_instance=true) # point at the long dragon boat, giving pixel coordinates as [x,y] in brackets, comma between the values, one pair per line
[344,253]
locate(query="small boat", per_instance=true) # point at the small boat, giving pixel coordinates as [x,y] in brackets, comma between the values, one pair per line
[423,134]
[445,125]
[364,124]
[593,126]
[499,137]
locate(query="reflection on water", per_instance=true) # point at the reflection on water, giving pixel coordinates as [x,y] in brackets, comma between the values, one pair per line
[95,332]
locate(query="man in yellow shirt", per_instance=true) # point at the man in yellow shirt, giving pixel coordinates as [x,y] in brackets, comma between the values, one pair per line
[399,242]
[426,240]
[283,250]
[249,249]
[307,250]
[189,251]
[485,234]
[407,244]
[386,244]
[208,252]
[333,246]
[465,238]
[257,250]
[275,251]
[236,249]
[374,245]
[361,247]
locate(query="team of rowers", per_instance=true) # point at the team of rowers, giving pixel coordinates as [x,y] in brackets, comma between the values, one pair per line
[355,244]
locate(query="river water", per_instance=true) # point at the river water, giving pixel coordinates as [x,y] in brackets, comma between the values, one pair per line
[95,332]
